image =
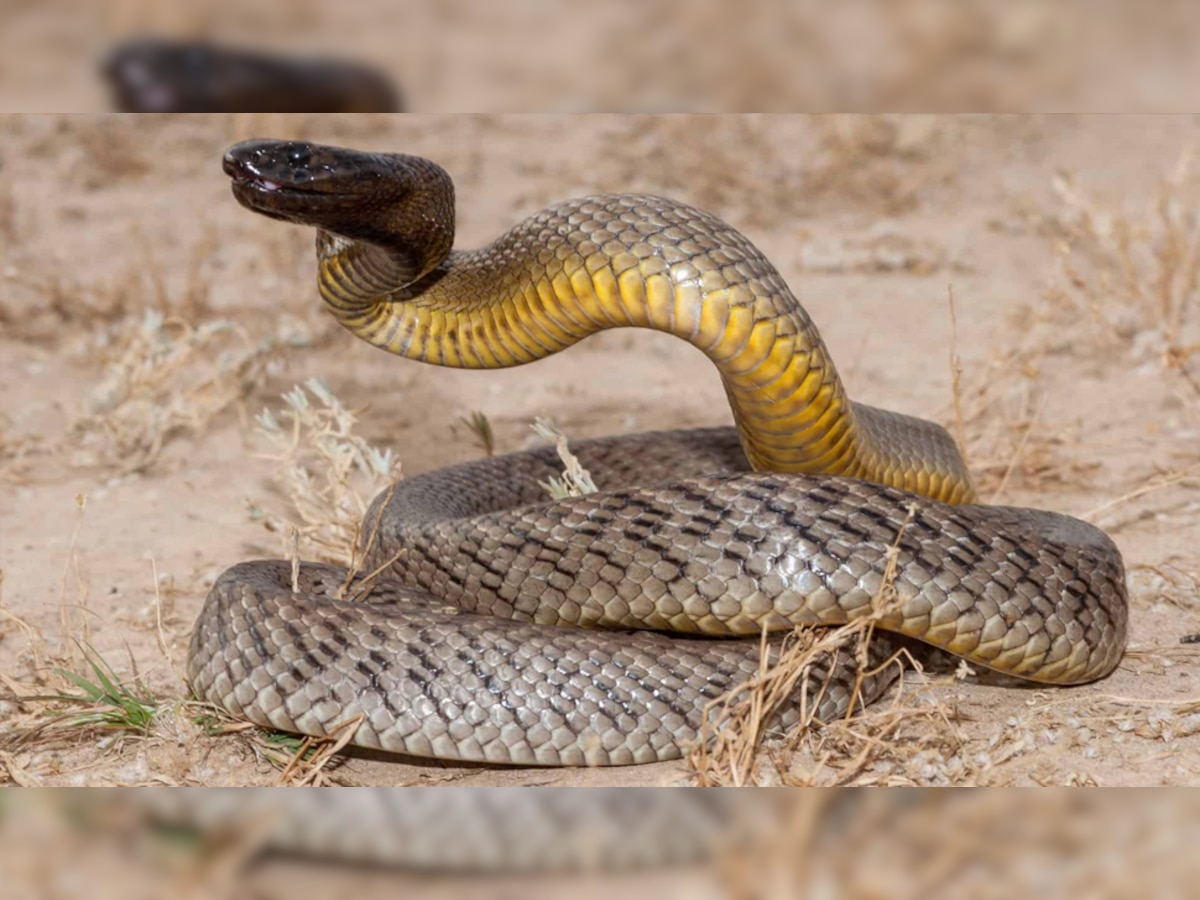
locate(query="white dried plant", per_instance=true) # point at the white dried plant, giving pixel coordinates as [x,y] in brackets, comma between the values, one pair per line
[328,473]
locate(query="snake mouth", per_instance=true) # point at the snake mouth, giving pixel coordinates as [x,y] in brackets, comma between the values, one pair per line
[268,196]
[274,200]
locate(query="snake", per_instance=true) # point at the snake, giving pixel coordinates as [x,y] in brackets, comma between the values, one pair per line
[436,833]
[488,622]
[451,829]
[153,75]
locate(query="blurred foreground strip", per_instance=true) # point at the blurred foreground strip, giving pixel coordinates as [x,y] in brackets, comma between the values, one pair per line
[532,843]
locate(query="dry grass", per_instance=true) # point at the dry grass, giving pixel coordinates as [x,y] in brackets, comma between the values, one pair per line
[1133,276]
[895,743]
[997,416]
[328,473]
[165,379]
[48,303]
[1128,283]
[480,427]
[996,420]
[170,365]
[576,480]
[71,693]
[740,168]
[882,162]
[872,747]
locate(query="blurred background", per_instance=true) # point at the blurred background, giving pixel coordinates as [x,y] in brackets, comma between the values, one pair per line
[771,846]
[653,55]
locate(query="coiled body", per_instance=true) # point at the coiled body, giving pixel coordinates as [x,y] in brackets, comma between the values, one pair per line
[483,639]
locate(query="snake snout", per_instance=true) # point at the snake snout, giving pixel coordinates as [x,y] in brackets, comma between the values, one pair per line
[288,163]
[302,166]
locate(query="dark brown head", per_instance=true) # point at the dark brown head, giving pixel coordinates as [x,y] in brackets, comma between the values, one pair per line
[398,202]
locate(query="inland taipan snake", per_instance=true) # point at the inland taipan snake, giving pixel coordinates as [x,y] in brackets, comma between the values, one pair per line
[468,647]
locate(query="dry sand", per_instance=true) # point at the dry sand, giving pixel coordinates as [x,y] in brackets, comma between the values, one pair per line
[1077,392]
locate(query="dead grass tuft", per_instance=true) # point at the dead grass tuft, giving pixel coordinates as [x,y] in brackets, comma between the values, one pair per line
[892,743]
[576,480]
[313,758]
[41,307]
[997,416]
[882,162]
[70,692]
[1133,277]
[328,473]
[45,304]
[168,378]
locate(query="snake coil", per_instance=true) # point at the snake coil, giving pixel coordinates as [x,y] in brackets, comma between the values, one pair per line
[490,635]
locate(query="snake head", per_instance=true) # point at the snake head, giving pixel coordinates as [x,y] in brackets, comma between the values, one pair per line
[309,184]
[145,76]
[388,199]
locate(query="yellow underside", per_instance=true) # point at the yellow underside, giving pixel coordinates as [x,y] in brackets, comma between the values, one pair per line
[787,401]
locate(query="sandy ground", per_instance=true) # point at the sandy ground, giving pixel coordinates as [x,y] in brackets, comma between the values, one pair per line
[571,55]
[1069,245]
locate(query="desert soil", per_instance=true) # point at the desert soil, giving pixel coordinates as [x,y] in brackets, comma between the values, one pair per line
[128,475]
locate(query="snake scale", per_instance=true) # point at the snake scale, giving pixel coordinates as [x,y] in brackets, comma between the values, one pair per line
[469,646]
